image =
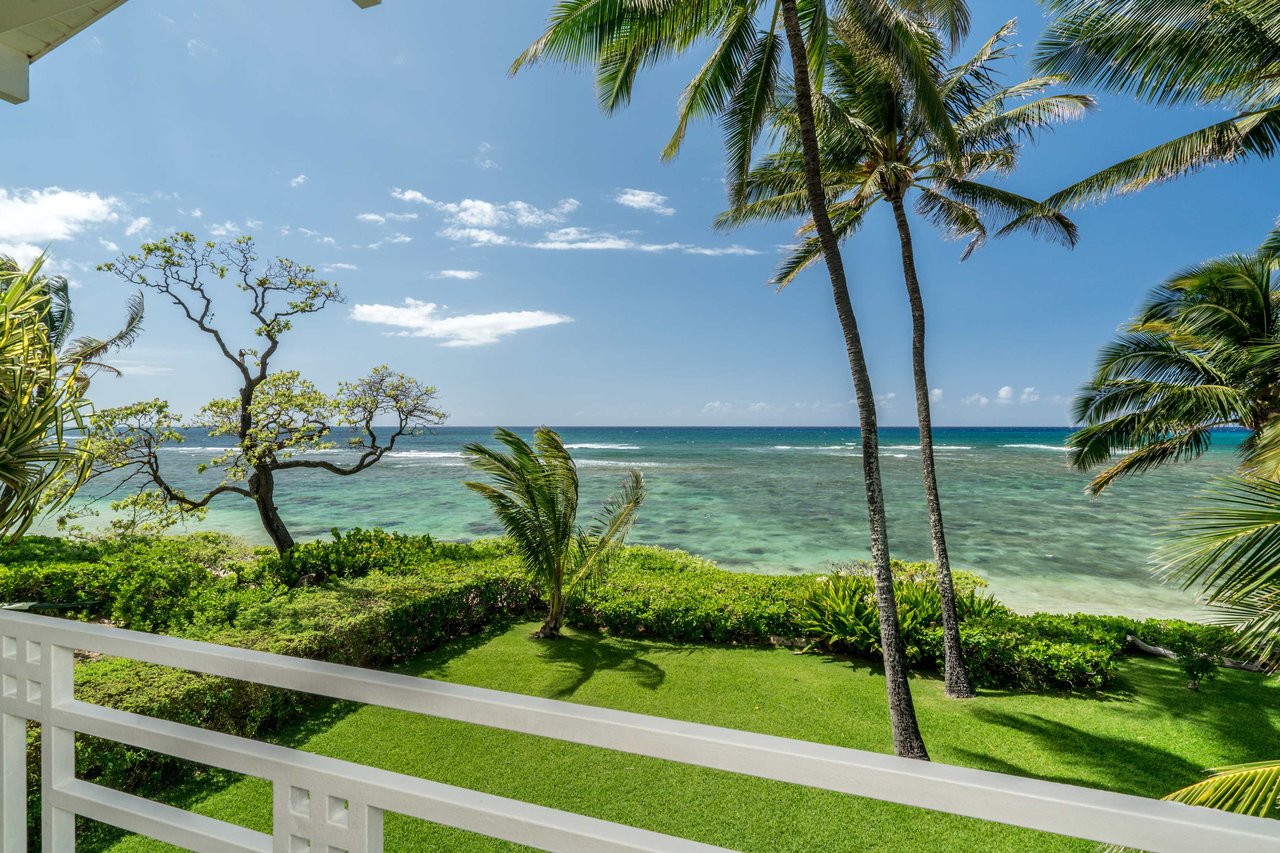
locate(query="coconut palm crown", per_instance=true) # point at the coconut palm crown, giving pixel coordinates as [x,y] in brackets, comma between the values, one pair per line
[1218,53]
[876,145]
[1202,354]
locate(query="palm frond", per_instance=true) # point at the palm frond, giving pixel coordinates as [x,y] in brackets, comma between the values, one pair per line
[1252,134]
[1250,789]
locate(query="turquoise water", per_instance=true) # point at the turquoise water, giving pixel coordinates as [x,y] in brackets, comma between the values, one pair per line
[791,500]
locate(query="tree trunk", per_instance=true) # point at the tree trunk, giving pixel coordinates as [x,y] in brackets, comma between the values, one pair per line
[550,629]
[955,673]
[907,741]
[262,486]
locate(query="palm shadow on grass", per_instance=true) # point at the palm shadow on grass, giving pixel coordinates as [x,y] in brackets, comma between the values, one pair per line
[580,656]
[1090,759]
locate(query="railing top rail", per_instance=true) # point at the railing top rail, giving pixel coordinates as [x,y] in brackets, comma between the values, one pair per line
[1035,804]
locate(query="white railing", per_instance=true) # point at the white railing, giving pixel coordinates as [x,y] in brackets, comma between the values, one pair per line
[323,804]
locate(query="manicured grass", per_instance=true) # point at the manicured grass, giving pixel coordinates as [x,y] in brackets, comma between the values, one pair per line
[1147,737]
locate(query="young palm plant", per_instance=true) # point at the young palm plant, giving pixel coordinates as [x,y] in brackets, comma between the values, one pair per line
[1224,53]
[1203,353]
[84,355]
[737,83]
[534,493]
[876,144]
[39,405]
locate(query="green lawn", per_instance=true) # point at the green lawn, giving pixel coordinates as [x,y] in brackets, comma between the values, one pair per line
[1148,736]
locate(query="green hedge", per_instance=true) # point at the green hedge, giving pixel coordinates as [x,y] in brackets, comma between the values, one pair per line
[671,595]
[373,621]
[374,599]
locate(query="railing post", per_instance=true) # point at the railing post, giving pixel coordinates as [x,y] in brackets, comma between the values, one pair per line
[308,816]
[13,783]
[57,745]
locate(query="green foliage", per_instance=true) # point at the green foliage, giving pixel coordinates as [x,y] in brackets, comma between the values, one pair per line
[533,491]
[1220,53]
[878,141]
[40,403]
[654,592]
[1010,653]
[353,554]
[840,614]
[1001,649]
[1198,356]
[275,418]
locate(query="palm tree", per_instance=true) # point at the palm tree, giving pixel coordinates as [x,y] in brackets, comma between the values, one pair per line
[39,404]
[1213,52]
[1202,354]
[85,354]
[876,145]
[534,493]
[737,84]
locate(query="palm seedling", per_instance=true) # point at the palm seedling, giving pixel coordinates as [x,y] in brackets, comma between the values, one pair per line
[534,494]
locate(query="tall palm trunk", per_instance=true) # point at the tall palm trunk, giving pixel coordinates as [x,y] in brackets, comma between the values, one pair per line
[907,741]
[956,674]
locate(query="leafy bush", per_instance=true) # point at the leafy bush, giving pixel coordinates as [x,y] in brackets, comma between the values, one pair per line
[373,621]
[653,592]
[351,555]
[145,584]
[839,613]
[1012,654]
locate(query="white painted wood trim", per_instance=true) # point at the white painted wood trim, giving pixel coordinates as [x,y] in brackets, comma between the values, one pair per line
[1034,804]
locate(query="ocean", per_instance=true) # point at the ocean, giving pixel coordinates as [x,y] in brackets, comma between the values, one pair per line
[790,499]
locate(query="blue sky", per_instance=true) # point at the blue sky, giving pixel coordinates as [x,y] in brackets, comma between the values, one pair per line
[547,265]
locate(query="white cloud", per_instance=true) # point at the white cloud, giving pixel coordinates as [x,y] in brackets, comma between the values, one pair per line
[935,396]
[410,195]
[135,227]
[644,200]
[224,229]
[887,399]
[725,408]
[1005,394]
[1029,395]
[485,223]
[253,223]
[200,47]
[109,245]
[394,238]
[482,158]
[196,213]
[716,251]
[298,180]
[465,275]
[339,267]
[474,236]
[133,367]
[423,320]
[976,400]
[31,219]
[588,240]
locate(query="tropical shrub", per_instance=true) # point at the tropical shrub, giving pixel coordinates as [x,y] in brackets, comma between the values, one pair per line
[659,593]
[353,554]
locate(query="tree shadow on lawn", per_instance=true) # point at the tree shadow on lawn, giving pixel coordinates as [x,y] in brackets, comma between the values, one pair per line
[1107,761]
[581,655]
